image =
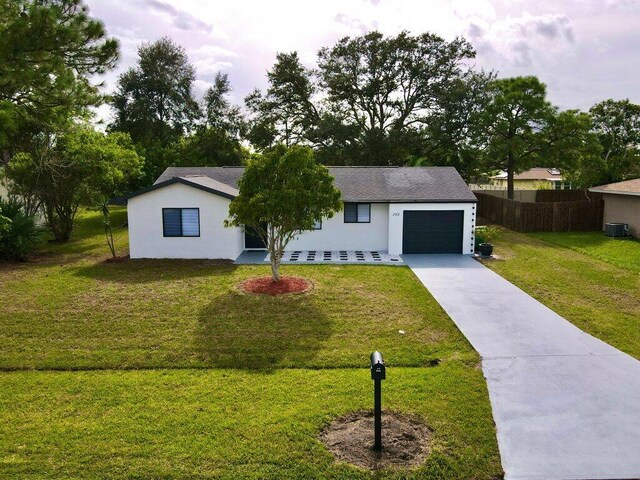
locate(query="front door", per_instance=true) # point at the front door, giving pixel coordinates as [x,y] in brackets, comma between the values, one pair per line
[252,240]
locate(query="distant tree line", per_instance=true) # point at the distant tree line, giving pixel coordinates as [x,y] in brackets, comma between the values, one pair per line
[370,100]
[374,100]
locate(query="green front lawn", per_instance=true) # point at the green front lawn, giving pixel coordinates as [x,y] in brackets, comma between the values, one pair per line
[591,280]
[623,252]
[186,377]
[229,423]
[80,313]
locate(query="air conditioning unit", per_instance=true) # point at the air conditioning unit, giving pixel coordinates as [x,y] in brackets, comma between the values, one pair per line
[616,229]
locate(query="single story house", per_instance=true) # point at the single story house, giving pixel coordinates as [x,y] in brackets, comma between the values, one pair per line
[622,203]
[387,209]
[534,179]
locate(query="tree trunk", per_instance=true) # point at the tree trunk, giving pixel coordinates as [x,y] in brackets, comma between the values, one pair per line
[275,253]
[275,265]
[510,171]
[275,271]
[60,222]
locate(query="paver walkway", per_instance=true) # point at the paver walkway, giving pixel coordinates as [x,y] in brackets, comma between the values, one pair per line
[320,257]
[566,405]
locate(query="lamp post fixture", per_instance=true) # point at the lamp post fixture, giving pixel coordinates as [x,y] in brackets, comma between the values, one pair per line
[378,373]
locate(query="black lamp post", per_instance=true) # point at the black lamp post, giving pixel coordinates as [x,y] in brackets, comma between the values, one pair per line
[378,373]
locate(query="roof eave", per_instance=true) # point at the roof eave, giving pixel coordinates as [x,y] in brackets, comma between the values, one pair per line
[614,192]
[466,200]
[173,181]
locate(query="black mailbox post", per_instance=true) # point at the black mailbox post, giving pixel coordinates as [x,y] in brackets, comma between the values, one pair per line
[378,373]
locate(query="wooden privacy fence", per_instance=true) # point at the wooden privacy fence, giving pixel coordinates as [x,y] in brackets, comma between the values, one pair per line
[582,215]
[566,195]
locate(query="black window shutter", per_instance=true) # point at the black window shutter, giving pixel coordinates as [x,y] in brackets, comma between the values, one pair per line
[172,222]
[350,212]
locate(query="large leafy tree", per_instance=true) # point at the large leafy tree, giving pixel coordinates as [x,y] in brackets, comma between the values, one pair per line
[220,113]
[49,50]
[79,167]
[388,88]
[286,113]
[511,124]
[283,192]
[518,128]
[208,147]
[216,142]
[368,102]
[617,127]
[448,136]
[154,102]
[571,145]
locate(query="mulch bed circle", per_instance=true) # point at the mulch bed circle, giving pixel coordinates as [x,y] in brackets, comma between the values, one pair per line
[266,286]
[405,440]
[117,259]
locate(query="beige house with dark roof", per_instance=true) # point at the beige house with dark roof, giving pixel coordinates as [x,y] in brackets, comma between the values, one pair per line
[622,203]
[534,179]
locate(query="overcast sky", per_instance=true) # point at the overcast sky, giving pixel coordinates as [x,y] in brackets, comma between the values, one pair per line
[584,50]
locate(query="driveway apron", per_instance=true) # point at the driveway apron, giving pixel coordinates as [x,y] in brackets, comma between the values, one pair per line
[566,405]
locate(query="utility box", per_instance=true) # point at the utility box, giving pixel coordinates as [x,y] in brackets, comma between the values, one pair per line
[616,229]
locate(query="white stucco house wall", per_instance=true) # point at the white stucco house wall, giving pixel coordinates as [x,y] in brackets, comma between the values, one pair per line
[387,209]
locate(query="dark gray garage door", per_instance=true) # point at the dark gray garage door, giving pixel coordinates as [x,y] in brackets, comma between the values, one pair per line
[432,231]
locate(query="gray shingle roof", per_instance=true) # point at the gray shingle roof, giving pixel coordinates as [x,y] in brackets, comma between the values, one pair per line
[211,183]
[627,187]
[364,184]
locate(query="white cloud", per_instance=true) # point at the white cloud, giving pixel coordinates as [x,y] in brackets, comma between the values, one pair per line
[180,18]
[522,41]
[585,50]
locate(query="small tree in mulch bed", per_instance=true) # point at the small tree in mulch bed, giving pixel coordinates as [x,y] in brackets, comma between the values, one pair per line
[283,192]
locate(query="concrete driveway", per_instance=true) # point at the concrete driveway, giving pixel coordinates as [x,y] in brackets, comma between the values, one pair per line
[566,405]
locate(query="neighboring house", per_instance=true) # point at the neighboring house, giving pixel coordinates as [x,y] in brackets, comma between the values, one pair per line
[392,209]
[534,179]
[622,203]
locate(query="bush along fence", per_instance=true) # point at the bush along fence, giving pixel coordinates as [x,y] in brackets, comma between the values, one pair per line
[543,216]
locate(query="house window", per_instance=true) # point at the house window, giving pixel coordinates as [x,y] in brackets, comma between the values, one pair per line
[357,213]
[181,222]
[318,225]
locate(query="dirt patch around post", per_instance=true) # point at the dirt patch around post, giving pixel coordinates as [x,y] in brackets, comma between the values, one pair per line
[266,285]
[405,440]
